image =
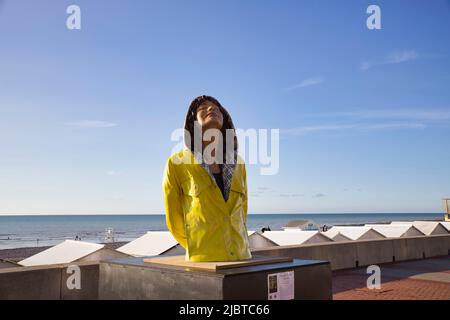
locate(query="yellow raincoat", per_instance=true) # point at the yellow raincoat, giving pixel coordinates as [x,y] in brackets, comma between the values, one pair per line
[207,226]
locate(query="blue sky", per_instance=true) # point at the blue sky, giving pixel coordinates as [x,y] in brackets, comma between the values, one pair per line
[86,115]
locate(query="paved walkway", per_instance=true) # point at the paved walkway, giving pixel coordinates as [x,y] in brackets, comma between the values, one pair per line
[427,279]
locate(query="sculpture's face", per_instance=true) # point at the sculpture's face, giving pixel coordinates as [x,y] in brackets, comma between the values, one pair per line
[209,116]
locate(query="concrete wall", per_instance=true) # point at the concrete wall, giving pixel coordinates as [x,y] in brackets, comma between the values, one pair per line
[7,264]
[257,241]
[48,283]
[350,254]
[127,282]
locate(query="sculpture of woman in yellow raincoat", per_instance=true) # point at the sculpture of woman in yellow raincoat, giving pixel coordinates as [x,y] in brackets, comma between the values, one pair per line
[205,193]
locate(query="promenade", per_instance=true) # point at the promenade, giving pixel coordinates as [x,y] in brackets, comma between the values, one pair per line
[427,279]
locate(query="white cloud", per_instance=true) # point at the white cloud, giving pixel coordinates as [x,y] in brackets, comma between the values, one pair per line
[403,56]
[92,124]
[365,66]
[319,195]
[114,173]
[393,58]
[373,126]
[306,129]
[399,114]
[376,120]
[291,195]
[407,114]
[306,83]
[405,125]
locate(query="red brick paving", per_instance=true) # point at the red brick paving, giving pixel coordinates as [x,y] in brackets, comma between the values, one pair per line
[397,282]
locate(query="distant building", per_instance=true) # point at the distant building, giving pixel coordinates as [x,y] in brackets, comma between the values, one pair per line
[285,238]
[353,233]
[71,251]
[426,227]
[304,225]
[396,231]
[446,205]
[153,243]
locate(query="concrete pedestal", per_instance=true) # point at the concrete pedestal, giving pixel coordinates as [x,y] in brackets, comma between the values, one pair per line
[131,278]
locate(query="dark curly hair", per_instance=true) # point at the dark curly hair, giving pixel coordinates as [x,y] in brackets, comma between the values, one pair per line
[191,117]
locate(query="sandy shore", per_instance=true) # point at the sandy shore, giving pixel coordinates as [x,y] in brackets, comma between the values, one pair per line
[19,254]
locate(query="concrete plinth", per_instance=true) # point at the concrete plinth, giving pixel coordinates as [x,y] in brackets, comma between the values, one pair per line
[132,278]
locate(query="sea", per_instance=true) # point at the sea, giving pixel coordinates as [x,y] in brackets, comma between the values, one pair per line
[19,231]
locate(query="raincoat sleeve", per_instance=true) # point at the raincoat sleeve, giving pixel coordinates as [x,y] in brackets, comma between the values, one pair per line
[172,202]
[245,200]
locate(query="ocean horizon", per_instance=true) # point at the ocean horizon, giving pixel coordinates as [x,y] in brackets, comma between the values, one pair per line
[19,231]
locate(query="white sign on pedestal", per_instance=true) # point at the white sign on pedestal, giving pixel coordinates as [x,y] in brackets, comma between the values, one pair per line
[280,286]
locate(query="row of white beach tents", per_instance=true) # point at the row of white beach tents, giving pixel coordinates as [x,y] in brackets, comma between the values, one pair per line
[396,229]
[155,243]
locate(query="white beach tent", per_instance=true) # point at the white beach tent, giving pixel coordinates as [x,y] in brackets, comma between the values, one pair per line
[153,243]
[257,240]
[289,238]
[335,235]
[396,231]
[446,225]
[354,233]
[426,227]
[71,251]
